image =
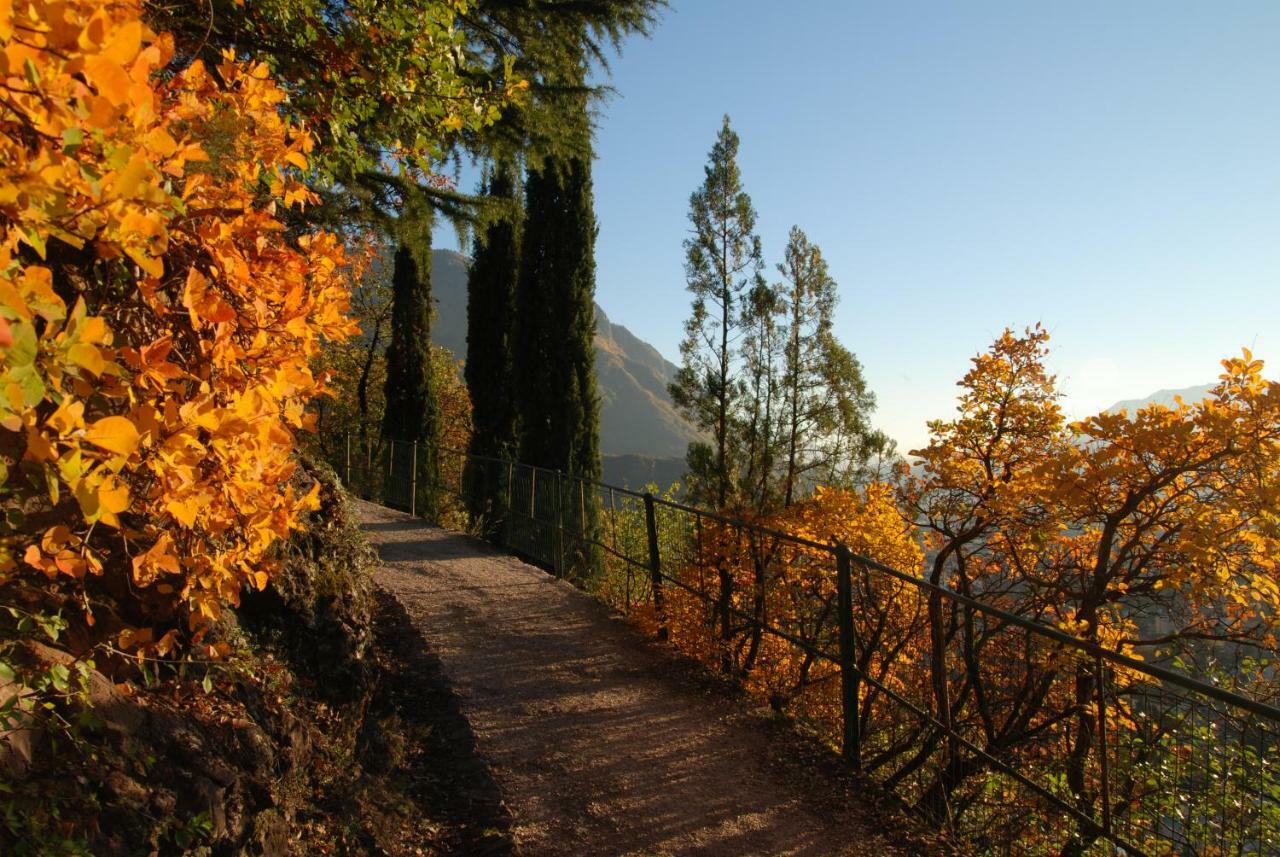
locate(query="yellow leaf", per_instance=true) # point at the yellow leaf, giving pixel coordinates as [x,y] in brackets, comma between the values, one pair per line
[185,511]
[298,159]
[128,182]
[125,44]
[114,434]
[161,142]
[108,77]
[87,357]
[113,494]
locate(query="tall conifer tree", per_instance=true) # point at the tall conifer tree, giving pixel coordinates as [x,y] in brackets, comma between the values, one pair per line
[491,286]
[412,412]
[826,404]
[553,352]
[722,264]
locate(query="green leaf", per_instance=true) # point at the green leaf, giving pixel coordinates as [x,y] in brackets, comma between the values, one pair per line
[60,675]
[72,138]
[29,381]
[23,351]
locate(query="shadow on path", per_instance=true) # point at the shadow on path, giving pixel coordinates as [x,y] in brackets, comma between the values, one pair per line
[450,774]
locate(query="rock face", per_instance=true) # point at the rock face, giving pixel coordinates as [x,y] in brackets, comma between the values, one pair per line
[637,416]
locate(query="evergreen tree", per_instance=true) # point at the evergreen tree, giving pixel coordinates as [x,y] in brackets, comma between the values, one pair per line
[722,264]
[491,285]
[759,427]
[553,353]
[826,406]
[409,413]
[411,408]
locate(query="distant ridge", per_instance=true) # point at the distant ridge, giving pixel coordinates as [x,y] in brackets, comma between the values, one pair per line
[637,417]
[1168,398]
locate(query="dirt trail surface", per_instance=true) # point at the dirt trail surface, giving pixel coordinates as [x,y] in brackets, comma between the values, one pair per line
[597,745]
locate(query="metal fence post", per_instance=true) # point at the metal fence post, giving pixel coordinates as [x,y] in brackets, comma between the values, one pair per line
[347,478]
[1105,771]
[388,491]
[559,556]
[533,531]
[655,564]
[849,679]
[413,480]
[511,482]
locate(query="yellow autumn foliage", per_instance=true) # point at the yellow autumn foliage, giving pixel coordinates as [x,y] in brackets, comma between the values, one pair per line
[157,321]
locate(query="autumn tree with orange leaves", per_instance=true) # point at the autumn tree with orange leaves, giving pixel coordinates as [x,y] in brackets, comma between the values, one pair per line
[1151,535]
[159,317]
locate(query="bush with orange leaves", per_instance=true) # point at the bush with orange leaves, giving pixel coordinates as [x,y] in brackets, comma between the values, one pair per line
[157,322]
[742,578]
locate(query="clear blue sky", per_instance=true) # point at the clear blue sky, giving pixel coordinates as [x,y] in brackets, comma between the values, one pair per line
[1111,169]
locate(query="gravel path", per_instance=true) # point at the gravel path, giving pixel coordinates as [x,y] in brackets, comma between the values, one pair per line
[596,744]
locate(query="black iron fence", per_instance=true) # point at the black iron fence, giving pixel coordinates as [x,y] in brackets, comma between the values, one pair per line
[1014,736]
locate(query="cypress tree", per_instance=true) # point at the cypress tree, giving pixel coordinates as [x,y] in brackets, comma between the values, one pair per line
[491,285]
[554,354]
[411,409]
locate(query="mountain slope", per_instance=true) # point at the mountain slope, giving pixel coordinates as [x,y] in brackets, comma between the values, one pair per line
[637,416]
[1190,395]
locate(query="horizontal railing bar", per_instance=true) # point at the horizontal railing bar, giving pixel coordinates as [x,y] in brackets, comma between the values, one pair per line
[1185,682]
[763,626]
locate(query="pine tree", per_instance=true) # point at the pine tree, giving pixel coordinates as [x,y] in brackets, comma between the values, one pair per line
[722,264]
[759,425]
[826,405]
[491,286]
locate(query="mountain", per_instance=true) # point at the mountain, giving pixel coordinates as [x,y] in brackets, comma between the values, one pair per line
[1190,395]
[638,472]
[637,417]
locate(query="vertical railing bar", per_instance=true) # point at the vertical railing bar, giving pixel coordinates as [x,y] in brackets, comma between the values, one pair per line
[511,481]
[413,480]
[849,679]
[559,543]
[391,473]
[655,566]
[1102,744]
[613,528]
